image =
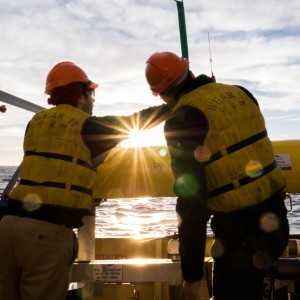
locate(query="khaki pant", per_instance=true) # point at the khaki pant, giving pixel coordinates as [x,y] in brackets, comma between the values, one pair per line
[35,259]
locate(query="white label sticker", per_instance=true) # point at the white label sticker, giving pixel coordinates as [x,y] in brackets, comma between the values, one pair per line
[108,273]
[283,161]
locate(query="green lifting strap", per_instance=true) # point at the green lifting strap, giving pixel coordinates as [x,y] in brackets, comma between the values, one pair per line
[182,29]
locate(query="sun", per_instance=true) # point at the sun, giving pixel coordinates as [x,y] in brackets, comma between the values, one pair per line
[145,138]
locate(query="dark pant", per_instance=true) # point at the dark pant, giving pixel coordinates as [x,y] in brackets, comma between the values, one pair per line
[246,244]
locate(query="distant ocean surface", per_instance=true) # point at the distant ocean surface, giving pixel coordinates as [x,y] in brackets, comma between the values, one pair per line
[145,217]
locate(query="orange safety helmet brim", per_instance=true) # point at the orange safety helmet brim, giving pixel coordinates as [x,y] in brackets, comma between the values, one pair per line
[162,70]
[65,73]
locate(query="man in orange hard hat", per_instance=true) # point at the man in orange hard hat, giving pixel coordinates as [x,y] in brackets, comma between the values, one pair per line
[63,146]
[224,168]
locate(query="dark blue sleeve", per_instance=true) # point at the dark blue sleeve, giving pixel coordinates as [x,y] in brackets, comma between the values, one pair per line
[185,133]
[101,134]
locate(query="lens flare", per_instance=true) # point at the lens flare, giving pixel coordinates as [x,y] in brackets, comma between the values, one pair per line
[254,169]
[261,260]
[186,185]
[32,202]
[162,152]
[269,222]
[202,154]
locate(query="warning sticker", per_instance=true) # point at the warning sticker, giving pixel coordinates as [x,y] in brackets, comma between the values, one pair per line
[107,273]
[283,161]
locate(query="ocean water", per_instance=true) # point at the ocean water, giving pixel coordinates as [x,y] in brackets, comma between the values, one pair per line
[146,217]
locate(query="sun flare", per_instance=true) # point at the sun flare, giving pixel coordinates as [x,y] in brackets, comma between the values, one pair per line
[145,138]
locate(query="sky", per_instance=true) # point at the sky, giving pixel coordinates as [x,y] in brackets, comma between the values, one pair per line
[251,43]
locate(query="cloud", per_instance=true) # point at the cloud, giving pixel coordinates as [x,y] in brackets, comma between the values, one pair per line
[254,44]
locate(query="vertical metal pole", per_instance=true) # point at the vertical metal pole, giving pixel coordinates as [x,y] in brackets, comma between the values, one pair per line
[86,239]
[11,184]
[182,29]
[86,251]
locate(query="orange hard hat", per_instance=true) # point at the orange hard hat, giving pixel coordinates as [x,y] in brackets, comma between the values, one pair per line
[65,73]
[162,70]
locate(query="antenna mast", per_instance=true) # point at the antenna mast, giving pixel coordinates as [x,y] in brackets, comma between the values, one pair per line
[210,60]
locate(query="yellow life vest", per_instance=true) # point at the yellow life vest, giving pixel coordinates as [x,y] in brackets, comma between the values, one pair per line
[56,168]
[240,168]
